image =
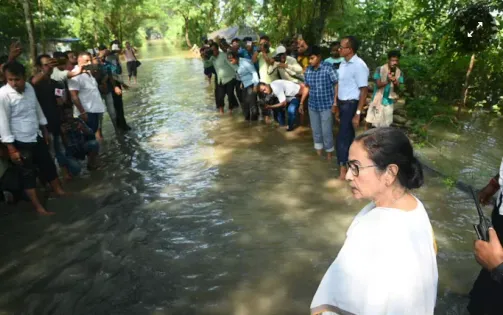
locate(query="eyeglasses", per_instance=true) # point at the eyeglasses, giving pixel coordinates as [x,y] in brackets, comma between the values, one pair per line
[341,48]
[355,168]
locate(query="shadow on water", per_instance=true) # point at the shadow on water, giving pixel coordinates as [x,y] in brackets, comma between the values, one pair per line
[196,213]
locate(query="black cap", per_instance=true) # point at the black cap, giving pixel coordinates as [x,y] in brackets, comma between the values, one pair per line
[102,47]
[314,50]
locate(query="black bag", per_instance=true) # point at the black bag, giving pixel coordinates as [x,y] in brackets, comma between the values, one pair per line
[138,63]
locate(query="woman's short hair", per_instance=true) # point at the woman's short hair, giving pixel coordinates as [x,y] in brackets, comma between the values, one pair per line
[386,146]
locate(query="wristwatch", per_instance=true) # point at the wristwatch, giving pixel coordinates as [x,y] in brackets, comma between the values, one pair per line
[497,274]
[358,112]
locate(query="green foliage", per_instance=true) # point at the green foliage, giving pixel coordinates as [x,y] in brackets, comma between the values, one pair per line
[449,182]
[428,109]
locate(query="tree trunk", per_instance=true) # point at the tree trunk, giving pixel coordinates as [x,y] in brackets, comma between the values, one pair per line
[187,40]
[42,26]
[30,28]
[298,20]
[464,93]
[95,23]
[315,29]
[120,31]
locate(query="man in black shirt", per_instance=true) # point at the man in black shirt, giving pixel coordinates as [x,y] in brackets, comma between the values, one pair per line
[487,292]
[50,94]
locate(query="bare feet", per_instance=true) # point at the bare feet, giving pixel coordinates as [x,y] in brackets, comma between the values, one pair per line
[221,110]
[267,119]
[99,136]
[230,112]
[66,174]
[319,152]
[329,156]
[41,210]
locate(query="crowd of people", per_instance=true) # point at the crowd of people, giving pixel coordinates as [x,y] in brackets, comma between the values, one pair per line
[387,264]
[393,231]
[56,114]
[278,84]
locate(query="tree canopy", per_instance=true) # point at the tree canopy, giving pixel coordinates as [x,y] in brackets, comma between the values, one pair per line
[440,63]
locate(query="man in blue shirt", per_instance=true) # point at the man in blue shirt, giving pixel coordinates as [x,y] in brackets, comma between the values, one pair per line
[321,80]
[351,95]
[248,77]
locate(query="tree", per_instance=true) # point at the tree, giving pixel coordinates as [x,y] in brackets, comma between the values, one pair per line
[30,27]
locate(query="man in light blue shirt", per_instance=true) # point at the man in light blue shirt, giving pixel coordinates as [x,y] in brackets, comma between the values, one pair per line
[249,77]
[351,96]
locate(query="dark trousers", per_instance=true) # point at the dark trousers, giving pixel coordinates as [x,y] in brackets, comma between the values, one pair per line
[486,296]
[11,181]
[239,91]
[291,109]
[36,159]
[119,110]
[93,121]
[131,68]
[346,135]
[226,89]
[249,103]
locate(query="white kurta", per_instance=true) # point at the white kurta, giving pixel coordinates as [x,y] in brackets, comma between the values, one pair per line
[387,265]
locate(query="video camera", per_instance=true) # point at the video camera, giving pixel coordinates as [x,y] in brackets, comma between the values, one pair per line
[266,47]
[393,70]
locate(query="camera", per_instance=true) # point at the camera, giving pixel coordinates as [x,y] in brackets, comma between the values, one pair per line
[91,67]
[266,46]
[277,58]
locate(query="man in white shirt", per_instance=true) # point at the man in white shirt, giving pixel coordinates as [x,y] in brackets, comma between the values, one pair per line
[351,95]
[286,67]
[86,96]
[20,119]
[59,73]
[288,94]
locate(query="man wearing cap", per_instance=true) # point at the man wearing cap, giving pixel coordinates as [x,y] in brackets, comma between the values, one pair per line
[351,96]
[321,80]
[114,61]
[107,81]
[286,67]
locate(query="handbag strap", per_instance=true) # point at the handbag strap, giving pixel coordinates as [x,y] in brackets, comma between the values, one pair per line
[134,55]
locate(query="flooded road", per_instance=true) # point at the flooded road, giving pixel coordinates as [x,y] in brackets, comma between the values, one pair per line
[197,213]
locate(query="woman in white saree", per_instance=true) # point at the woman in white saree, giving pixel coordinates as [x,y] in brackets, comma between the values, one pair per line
[387,264]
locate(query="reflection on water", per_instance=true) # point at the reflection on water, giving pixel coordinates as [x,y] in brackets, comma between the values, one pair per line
[201,214]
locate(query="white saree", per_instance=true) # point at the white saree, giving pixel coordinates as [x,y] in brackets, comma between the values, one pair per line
[387,265]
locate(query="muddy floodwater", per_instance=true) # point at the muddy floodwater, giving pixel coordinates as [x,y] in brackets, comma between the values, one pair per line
[197,213]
